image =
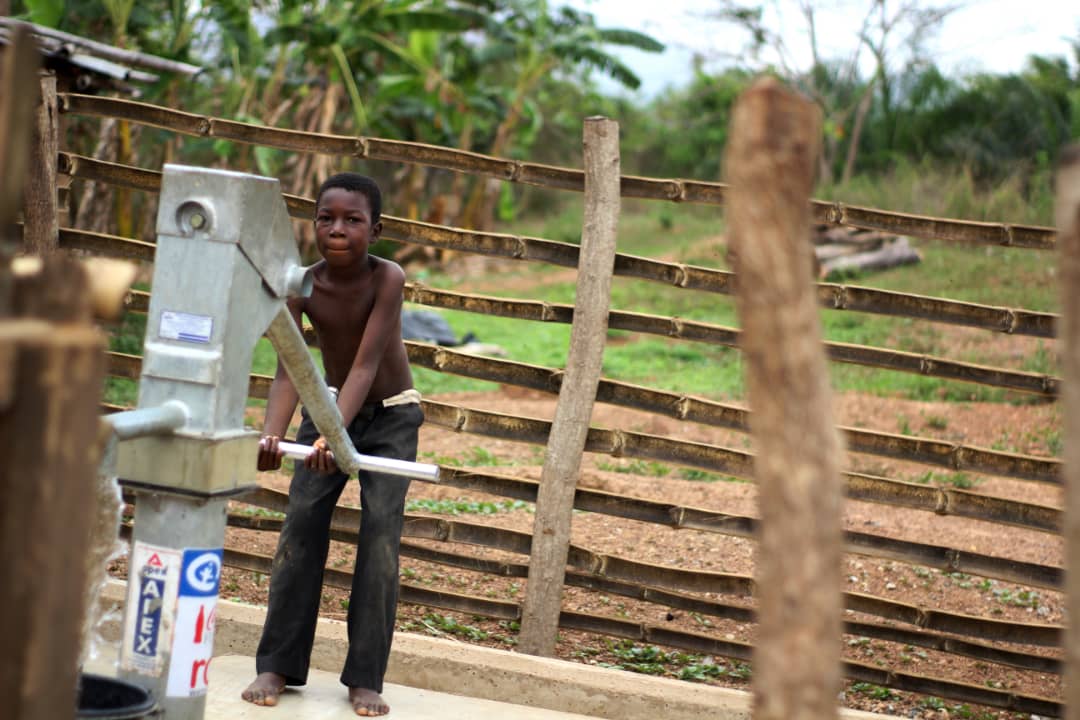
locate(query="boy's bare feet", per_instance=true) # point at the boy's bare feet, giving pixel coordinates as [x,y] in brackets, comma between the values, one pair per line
[367,703]
[264,689]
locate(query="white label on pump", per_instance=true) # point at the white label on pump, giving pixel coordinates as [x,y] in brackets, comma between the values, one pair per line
[193,641]
[153,583]
[185,326]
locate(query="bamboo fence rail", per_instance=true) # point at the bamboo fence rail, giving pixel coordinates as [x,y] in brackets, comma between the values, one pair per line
[683,517]
[610,567]
[882,358]
[643,632]
[344,530]
[1035,383]
[674,190]
[922,450]
[926,451]
[620,443]
[830,295]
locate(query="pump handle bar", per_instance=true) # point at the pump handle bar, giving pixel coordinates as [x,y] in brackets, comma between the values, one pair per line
[373,463]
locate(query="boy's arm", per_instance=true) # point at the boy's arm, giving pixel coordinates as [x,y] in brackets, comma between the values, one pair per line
[383,327]
[280,406]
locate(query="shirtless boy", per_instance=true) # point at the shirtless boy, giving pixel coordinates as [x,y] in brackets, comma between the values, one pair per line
[355,308]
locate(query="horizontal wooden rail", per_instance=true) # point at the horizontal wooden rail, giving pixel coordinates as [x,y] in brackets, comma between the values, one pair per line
[674,190]
[684,517]
[882,358]
[938,557]
[867,488]
[694,642]
[346,522]
[927,365]
[681,601]
[922,450]
[691,277]
[909,448]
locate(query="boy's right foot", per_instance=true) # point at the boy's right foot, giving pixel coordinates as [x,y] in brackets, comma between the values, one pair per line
[265,689]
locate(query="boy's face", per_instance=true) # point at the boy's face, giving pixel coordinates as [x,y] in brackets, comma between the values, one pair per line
[343,227]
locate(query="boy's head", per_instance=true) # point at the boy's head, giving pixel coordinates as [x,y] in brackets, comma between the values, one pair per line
[355,182]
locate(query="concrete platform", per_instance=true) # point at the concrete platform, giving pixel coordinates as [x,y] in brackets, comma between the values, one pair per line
[446,679]
[323,698]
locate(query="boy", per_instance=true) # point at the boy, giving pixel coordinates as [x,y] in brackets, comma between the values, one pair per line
[355,308]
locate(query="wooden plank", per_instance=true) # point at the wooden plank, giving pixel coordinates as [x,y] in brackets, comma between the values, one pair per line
[48,439]
[19,62]
[18,98]
[1068,221]
[41,235]
[555,501]
[775,137]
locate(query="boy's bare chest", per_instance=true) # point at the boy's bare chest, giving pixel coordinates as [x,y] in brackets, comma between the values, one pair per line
[339,312]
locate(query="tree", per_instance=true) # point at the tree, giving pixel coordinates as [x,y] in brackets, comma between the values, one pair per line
[531,44]
[892,34]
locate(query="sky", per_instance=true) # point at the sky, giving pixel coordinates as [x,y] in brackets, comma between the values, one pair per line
[993,36]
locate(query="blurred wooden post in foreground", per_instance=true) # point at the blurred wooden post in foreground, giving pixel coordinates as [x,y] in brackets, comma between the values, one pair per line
[1067,207]
[51,371]
[770,161]
[558,480]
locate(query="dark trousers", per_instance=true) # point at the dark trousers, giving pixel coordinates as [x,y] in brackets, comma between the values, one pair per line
[296,579]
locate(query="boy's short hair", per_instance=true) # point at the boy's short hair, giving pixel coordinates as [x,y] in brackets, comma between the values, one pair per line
[355,182]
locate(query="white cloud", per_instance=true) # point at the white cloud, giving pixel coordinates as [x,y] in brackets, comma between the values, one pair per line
[984,35]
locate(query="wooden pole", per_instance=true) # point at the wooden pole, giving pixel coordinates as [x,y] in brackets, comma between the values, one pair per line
[558,479]
[770,161]
[42,233]
[51,372]
[18,97]
[1067,206]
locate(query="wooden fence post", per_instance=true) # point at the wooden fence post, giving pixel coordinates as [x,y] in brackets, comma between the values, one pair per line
[1067,209]
[770,161]
[18,97]
[42,230]
[558,479]
[51,370]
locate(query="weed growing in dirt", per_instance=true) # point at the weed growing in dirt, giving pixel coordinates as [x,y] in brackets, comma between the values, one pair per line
[876,692]
[955,479]
[474,457]
[1017,598]
[441,625]
[636,467]
[463,506]
[937,422]
[705,476]
[254,511]
[651,660]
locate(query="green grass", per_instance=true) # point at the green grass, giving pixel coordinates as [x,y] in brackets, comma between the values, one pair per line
[1021,278]
[988,275]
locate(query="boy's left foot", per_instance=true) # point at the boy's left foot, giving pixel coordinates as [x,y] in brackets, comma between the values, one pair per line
[367,703]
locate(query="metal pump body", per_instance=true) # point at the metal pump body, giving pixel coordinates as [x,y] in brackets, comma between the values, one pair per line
[225,263]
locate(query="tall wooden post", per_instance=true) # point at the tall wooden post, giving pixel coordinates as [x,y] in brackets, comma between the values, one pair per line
[770,161]
[51,370]
[1068,224]
[558,480]
[42,231]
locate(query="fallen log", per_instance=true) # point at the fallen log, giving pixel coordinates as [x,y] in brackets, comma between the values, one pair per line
[893,254]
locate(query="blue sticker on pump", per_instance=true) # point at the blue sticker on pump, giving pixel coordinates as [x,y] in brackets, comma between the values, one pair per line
[200,572]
